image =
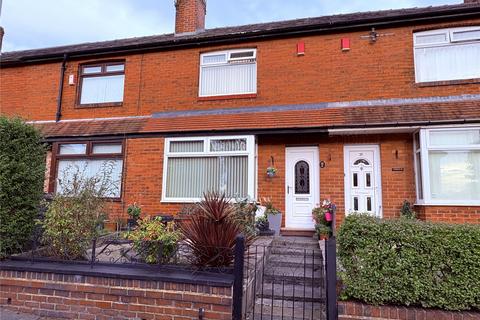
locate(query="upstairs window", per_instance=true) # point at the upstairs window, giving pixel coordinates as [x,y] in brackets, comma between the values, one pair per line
[228,73]
[102,83]
[447,54]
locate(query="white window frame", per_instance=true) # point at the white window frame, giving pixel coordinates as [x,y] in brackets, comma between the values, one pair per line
[424,156]
[229,59]
[449,32]
[250,152]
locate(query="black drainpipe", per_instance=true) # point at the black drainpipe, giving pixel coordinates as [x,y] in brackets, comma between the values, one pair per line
[58,115]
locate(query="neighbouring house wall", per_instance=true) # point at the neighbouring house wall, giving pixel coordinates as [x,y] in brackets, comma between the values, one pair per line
[168,80]
[59,295]
[348,310]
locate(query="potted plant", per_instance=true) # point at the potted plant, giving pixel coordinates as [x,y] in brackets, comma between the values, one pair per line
[322,231]
[323,215]
[110,226]
[271,172]
[133,212]
[263,227]
[274,216]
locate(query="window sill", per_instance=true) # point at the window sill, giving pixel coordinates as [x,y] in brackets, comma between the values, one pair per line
[99,105]
[447,83]
[228,97]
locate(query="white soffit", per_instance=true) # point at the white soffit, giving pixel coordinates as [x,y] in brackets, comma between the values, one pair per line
[381,130]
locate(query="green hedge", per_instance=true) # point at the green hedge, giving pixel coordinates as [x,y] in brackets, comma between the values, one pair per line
[22,172]
[410,262]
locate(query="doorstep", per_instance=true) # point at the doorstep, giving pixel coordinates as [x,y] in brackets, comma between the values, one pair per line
[287,232]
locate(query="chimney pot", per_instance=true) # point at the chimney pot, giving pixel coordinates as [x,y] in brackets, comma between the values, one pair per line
[190,16]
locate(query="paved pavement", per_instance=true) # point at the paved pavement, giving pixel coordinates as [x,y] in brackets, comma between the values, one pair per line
[11,315]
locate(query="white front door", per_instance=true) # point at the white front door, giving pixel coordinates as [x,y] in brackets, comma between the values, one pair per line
[362,179]
[302,186]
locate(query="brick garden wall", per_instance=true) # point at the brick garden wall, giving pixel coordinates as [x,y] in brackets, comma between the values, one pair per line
[89,297]
[348,310]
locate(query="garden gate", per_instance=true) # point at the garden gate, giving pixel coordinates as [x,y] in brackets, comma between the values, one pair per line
[287,280]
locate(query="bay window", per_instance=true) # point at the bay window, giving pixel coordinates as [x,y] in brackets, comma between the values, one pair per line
[84,160]
[447,54]
[229,72]
[193,166]
[448,171]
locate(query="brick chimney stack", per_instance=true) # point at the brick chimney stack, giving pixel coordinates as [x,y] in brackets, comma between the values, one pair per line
[190,16]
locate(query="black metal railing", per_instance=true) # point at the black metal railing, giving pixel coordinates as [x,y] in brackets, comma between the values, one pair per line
[331,278]
[115,249]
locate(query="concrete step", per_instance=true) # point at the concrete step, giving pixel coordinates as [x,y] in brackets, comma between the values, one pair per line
[280,273]
[267,309]
[295,261]
[296,252]
[259,316]
[296,242]
[286,232]
[290,292]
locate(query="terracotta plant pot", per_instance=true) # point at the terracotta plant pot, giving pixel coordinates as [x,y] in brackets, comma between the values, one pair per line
[110,226]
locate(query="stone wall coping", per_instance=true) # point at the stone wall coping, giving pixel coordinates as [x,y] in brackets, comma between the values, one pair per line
[129,272]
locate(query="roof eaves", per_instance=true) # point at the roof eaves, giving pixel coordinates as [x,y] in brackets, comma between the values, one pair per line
[335,23]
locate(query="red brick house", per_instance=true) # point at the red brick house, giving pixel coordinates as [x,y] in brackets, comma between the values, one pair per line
[366,109]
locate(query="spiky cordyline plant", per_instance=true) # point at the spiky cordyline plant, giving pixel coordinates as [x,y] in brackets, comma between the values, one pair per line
[212,230]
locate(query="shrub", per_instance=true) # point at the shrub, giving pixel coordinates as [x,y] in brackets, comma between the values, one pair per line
[22,173]
[150,235]
[410,262]
[406,211]
[134,211]
[212,231]
[244,215]
[261,223]
[75,216]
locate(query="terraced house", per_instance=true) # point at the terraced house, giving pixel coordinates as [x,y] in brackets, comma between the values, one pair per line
[365,109]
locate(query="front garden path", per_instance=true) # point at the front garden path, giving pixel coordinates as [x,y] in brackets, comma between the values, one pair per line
[293,282]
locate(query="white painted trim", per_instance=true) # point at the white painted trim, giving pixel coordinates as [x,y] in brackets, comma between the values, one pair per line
[377,172]
[378,130]
[448,32]
[209,65]
[250,152]
[315,175]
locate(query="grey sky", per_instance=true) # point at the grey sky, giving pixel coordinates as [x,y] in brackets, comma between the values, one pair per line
[44,23]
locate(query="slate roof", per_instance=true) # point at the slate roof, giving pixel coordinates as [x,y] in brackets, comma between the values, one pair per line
[252,31]
[325,118]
